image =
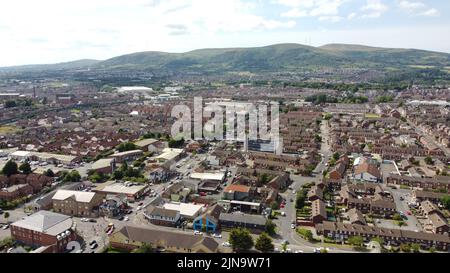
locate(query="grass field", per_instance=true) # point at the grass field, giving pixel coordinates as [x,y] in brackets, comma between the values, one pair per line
[8,129]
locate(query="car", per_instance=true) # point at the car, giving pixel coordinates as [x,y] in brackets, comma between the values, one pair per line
[92,221]
[94,246]
[293,226]
[282,206]
[226,244]
[92,242]
[217,235]
[196,232]
[298,251]
[138,208]
[126,218]
[283,213]
[84,220]
[401,198]
[409,212]
[141,204]
[5,227]
[121,218]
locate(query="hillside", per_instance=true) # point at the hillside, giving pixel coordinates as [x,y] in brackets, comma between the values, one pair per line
[274,58]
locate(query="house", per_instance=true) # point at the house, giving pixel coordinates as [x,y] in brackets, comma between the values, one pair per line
[434,197]
[162,216]
[45,228]
[315,193]
[342,232]
[209,221]
[427,208]
[131,237]
[236,192]
[438,223]
[367,171]
[318,211]
[77,203]
[356,217]
[255,223]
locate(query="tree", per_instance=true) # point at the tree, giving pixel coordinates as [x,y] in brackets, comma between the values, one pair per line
[446,201]
[118,174]
[25,168]
[264,243]
[356,241]
[270,227]
[397,217]
[6,215]
[49,173]
[336,156]
[428,160]
[10,168]
[241,240]
[144,248]
[405,248]
[10,104]
[126,146]
[306,233]
[73,176]
[264,179]
[415,248]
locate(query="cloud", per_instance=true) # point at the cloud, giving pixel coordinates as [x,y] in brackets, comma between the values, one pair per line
[324,9]
[373,9]
[351,15]
[417,8]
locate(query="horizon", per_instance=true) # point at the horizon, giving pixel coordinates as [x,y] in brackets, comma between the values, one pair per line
[49,32]
[212,48]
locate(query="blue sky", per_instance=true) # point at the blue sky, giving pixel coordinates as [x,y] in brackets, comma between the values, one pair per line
[49,31]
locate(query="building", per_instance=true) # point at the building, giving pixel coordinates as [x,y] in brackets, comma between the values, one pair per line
[318,212]
[131,237]
[209,221]
[356,217]
[132,192]
[162,216]
[342,232]
[186,210]
[255,223]
[45,228]
[236,192]
[127,156]
[428,184]
[169,157]
[77,203]
[434,197]
[147,145]
[367,171]
[104,165]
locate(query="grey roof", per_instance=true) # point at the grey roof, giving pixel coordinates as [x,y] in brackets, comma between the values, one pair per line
[167,238]
[243,218]
[46,222]
[157,211]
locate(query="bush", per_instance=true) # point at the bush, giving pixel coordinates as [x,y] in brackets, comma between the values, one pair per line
[305,233]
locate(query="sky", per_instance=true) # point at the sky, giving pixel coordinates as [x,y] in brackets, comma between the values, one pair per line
[52,31]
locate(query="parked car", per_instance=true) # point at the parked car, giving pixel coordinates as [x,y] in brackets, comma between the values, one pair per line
[94,246]
[5,227]
[217,235]
[196,232]
[293,226]
[226,244]
[84,220]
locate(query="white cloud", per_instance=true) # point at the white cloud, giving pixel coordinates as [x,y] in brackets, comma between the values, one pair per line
[373,9]
[430,12]
[314,8]
[333,19]
[417,8]
[351,15]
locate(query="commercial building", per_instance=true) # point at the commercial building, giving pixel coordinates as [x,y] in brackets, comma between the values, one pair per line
[45,228]
[132,192]
[77,203]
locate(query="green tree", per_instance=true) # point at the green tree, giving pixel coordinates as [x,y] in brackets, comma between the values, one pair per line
[126,146]
[356,241]
[305,233]
[6,215]
[446,201]
[73,176]
[49,173]
[10,168]
[10,104]
[25,168]
[405,248]
[271,227]
[428,160]
[118,174]
[397,217]
[415,248]
[336,156]
[264,243]
[241,240]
